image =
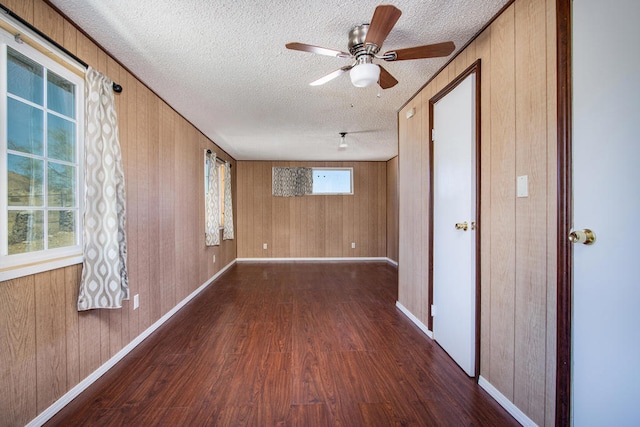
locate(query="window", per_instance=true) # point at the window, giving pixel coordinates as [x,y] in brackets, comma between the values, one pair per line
[332,181]
[41,104]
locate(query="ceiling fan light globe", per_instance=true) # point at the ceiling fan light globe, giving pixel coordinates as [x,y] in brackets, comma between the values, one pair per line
[363,75]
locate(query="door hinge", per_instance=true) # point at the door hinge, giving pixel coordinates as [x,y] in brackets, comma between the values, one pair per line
[433,310]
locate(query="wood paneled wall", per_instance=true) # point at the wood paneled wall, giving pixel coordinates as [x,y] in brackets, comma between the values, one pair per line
[46,346]
[518,247]
[393,202]
[311,226]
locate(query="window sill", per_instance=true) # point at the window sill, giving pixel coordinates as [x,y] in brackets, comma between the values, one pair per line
[9,273]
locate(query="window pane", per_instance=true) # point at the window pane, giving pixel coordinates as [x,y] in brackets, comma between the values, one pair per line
[24,77]
[62,229]
[61,180]
[60,95]
[24,127]
[332,181]
[25,231]
[61,136]
[24,179]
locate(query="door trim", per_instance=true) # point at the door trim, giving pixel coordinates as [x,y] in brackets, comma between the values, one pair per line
[565,212]
[474,68]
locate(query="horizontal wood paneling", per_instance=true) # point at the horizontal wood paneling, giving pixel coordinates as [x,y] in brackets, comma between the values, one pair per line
[312,226]
[46,346]
[518,271]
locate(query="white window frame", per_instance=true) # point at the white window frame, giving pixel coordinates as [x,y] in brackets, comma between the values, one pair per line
[350,169]
[18,265]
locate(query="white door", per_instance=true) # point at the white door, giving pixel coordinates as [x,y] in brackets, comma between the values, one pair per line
[454,202]
[606,192]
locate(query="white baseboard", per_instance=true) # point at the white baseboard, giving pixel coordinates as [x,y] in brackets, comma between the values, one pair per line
[506,403]
[48,413]
[320,259]
[414,319]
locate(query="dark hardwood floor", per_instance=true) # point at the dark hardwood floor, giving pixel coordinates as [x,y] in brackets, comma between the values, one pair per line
[288,344]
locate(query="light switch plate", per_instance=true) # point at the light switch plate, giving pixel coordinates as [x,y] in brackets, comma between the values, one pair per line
[522,186]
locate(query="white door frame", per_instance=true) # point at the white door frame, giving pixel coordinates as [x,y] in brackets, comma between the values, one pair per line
[474,68]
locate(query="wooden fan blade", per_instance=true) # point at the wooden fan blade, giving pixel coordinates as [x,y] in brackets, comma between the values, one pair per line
[386,80]
[384,18]
[420,52]
[317,49]
[331,76]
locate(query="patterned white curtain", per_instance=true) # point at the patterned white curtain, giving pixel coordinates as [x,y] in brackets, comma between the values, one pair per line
[212,203]
[291,182]
[227,233]
[105,283]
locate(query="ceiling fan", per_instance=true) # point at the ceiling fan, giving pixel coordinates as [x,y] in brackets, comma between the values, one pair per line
[365,41]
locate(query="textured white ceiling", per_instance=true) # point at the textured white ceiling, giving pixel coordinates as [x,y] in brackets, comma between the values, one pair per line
[223,65]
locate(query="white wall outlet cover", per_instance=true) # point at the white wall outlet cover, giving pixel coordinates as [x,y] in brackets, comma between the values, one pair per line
[136,301]
[264,246]
[522,186]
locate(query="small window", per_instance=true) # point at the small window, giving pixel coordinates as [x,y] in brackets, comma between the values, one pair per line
[332,180]
[40,151]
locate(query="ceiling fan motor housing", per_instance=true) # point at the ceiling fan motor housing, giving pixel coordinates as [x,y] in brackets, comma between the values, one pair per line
[363,53]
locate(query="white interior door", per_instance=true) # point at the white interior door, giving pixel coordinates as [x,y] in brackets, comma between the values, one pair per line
[606,199]
[454,201]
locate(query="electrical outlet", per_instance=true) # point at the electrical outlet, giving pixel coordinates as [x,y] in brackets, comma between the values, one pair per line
[136,301]
[353,245]
[264,246]
[214,258]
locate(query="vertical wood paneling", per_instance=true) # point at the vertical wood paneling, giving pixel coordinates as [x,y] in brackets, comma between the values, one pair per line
[18,351]
[483,51]
[51,369]
[155,306]
[531,159]
[518,137]
[129,150]
[22,8]
[393,206]
[123,105]
[142,202]
[72,276]
[502,202]
[166,171]
[552,214]
[48,21]
[412,294]
[312,226]
[47,346]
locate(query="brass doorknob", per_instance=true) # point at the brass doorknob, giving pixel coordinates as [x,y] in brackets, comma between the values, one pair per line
[462,226]
[586,236]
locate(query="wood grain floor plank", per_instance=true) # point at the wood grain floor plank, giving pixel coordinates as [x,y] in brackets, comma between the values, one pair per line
[288,344]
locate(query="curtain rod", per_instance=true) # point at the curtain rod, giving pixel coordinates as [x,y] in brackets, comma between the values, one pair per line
[116,87]
[219,160]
